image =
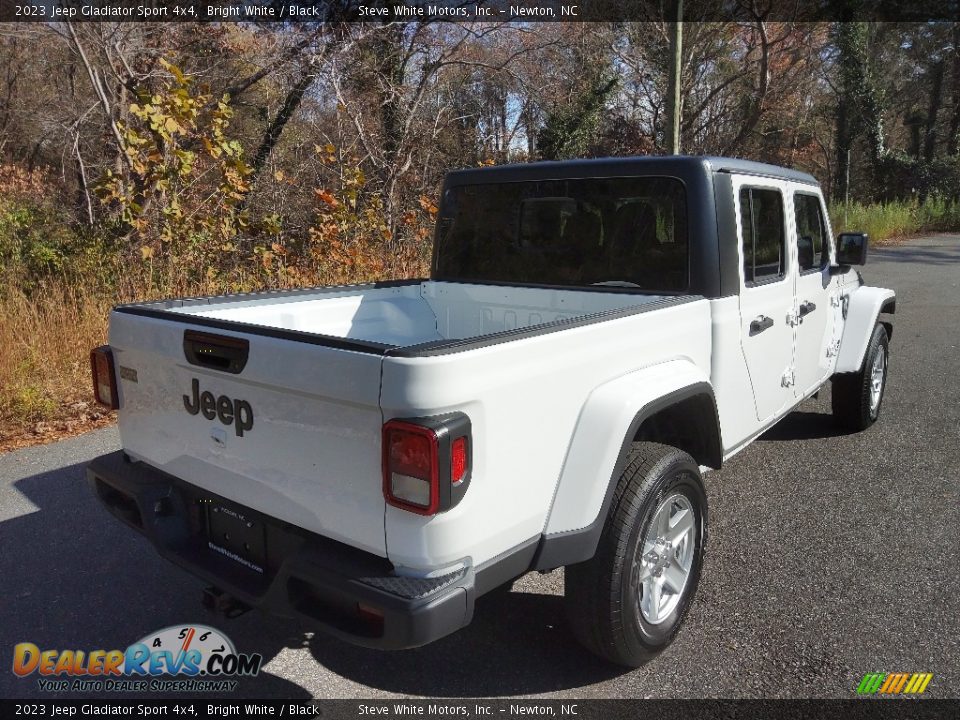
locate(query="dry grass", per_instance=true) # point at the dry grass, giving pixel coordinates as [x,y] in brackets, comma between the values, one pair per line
[46,337]
[45,340]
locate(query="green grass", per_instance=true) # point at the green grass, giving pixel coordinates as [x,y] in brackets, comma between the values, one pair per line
[885,221]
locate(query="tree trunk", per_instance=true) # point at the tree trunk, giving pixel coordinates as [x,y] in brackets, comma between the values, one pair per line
[673,94]
[84,202]
[758,102]
[843,142]
[859,106]
[275,129]
[390,78]
[930,131]
[954,138]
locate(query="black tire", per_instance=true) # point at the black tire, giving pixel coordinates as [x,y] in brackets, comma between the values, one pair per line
[602,595]
[852,392]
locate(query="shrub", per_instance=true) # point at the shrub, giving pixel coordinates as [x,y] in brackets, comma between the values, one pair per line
[180,199]
[35,238]
[884,221]
[899,175]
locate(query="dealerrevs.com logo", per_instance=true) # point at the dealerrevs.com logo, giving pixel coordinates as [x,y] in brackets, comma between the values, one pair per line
[187,658]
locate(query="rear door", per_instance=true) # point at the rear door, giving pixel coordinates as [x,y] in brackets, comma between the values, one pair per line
[767,293]
[294,434]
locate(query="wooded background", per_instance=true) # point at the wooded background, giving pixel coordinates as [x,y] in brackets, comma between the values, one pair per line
[195,149]
[139,160]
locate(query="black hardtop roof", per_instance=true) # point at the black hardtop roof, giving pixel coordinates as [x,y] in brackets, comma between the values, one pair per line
[670,165]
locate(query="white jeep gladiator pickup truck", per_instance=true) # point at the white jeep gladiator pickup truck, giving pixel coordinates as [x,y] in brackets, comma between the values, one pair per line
[594,336]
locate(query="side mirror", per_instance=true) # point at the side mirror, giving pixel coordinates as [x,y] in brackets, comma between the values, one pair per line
[852,248]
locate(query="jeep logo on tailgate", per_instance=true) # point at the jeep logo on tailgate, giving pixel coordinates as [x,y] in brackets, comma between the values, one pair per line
[231,412]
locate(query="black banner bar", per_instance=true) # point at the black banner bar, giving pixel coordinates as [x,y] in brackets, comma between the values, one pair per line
[893,708]
[379,11]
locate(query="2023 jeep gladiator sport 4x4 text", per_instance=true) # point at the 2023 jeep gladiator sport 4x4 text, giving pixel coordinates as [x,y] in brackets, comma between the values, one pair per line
[594,336]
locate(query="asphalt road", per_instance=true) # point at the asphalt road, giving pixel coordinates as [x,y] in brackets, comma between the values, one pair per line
[830,556]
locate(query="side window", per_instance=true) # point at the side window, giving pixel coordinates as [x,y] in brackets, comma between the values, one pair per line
[811,237]
[764,249]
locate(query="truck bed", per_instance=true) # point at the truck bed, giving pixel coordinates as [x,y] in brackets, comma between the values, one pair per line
[322,370]
[416,315]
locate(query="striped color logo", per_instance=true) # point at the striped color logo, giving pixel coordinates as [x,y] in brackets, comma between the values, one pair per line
[894,683]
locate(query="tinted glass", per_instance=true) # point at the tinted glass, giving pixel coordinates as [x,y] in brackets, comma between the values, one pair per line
[764,250]
[810,234]
[621,231]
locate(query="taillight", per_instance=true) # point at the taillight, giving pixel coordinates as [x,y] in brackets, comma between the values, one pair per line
[104,377]
[411,468]
[426,462]
[458,460]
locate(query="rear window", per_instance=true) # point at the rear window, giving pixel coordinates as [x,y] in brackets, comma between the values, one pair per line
[764,250]
[629,232]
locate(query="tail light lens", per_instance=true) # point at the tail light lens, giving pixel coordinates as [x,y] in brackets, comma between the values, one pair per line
[410,480]
[426,462]
[458,460]
[104,377]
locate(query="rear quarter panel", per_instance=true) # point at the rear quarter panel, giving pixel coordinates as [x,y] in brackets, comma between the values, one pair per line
[524,398]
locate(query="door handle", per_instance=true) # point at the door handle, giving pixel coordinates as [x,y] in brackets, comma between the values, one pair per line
[760,324]
[807,307]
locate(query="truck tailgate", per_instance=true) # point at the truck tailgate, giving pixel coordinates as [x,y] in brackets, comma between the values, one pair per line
[295,434]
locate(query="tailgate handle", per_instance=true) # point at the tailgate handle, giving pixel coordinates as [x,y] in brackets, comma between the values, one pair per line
[217,352]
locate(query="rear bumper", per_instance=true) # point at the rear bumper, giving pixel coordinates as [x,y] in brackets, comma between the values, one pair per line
[303,575]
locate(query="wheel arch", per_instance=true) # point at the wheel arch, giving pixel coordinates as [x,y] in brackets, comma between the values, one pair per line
[686,419]
[581,504]
[889,307]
